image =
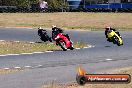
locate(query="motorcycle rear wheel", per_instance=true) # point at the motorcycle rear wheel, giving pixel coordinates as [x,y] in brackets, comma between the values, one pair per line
[43,39]
[62,44]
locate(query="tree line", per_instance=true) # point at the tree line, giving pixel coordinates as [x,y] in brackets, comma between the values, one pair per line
[27,3]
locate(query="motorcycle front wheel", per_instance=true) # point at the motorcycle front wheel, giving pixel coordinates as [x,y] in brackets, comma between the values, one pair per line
[71,48]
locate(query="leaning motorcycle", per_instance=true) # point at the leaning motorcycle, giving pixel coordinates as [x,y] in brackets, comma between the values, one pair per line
[63,42]
[115,38]
[45,37]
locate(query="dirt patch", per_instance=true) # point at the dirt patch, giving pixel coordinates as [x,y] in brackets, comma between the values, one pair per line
[9,71]
[77,20]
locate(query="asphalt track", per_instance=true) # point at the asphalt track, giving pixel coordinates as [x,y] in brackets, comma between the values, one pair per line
[60,66]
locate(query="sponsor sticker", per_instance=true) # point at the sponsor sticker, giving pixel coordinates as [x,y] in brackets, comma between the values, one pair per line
[83,78]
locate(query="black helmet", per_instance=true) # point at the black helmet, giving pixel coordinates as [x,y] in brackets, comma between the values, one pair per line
[108,28]
[53,27]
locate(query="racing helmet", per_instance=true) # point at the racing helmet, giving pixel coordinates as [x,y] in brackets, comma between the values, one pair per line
[54,26]
[108,28]
[40,28]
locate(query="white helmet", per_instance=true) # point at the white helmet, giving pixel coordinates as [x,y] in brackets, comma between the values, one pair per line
[53,26]
[40,28]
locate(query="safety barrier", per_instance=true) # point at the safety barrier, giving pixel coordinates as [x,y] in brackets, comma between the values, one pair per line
[110,6]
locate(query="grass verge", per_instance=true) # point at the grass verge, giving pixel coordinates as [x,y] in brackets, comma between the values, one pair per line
[9,71]
[119,71]
[67,20]
[10,47]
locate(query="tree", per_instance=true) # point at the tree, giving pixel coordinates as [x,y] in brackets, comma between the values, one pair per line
[8,2]
[23,3]
[26,3]
[56,3]
[17,2]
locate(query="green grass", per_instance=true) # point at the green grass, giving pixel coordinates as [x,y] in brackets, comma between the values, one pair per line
[10,47]
[75,20]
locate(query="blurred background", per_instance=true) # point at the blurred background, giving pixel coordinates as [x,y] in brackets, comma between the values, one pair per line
[65,6]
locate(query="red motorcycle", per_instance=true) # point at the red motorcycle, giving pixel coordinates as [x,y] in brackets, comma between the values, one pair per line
[63,41]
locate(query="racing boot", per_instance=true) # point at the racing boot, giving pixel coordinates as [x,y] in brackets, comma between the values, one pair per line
[108,39]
